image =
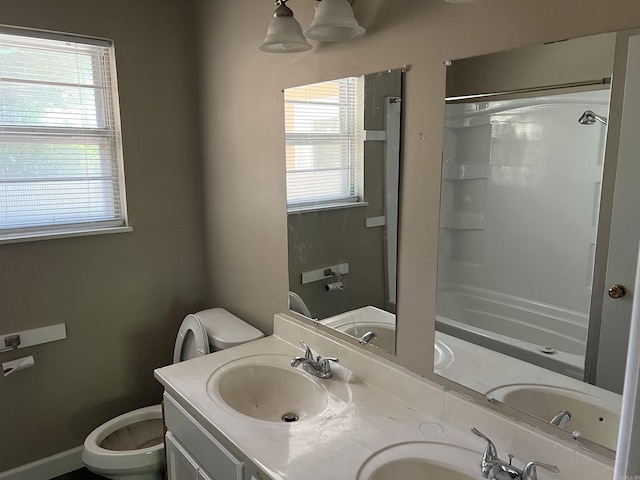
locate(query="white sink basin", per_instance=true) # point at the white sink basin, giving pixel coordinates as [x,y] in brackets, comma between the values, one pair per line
[596,418]
[267,388]
[422,461]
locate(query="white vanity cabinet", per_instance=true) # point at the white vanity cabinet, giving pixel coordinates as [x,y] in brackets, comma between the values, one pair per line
[192,452]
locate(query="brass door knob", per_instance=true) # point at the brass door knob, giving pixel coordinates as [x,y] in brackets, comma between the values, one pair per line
[617,291]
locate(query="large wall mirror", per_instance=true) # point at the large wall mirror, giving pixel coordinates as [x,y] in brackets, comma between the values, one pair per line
[342,164]
[539,231]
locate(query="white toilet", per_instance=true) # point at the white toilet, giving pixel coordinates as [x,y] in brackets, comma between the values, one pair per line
[130,446]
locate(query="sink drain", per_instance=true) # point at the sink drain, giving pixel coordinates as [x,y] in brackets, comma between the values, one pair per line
[290,417]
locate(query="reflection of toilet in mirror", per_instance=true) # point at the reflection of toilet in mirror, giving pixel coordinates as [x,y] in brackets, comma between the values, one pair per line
[297,304]
[131,445]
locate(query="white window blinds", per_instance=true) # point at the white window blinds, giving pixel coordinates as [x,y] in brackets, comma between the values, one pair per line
[60,152]
[324,143]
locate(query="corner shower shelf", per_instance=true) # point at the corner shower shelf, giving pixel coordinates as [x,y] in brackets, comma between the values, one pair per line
[462,221]
[468,171]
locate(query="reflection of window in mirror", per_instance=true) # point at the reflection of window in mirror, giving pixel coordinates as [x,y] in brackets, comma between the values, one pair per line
[324,143]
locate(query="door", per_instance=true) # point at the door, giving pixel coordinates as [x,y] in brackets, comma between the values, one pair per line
[624,235]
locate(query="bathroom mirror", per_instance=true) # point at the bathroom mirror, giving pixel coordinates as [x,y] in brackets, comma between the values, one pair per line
[343,164]
[535,246]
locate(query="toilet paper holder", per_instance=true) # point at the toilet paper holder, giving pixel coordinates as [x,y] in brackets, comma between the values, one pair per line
[13,366]
[334,287]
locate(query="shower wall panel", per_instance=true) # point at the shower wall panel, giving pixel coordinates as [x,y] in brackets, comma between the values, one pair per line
[521,183]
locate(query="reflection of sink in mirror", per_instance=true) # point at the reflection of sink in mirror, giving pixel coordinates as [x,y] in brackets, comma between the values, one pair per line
[385,334]
[266,387]
[367,319]
[420,461]
[371,319]
[594,417]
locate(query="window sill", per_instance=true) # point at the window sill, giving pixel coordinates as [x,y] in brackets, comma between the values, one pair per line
[326,206]
[52,235]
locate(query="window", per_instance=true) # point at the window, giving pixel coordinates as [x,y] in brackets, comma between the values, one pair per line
[324,142]
[60,147]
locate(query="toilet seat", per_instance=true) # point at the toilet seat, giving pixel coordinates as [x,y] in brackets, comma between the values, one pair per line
[106,460]
[192,340]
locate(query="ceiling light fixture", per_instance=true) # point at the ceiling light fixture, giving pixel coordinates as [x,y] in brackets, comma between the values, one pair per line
[334,21]
[284,34]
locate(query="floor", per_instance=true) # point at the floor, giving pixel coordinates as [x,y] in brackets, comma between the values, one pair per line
[82,474]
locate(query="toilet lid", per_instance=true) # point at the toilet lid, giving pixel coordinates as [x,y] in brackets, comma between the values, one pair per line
[191,340]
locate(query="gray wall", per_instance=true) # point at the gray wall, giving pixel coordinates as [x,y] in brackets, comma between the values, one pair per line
[245,219]
[121,296]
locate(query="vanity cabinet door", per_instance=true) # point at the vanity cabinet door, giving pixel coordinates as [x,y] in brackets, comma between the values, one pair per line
[180,465]
[202,475]
[215,460]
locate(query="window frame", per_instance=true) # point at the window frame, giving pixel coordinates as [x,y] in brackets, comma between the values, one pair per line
[107,135]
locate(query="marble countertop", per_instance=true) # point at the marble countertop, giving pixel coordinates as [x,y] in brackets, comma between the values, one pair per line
[389,406]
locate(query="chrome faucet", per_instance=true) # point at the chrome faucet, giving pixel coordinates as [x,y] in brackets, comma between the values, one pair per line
[367,337]
[561,418]
[318,367]
[493,468]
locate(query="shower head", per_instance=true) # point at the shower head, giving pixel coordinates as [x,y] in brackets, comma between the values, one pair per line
[589,118]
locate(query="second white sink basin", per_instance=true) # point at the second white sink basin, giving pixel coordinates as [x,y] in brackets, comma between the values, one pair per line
[422,461]
[267,388]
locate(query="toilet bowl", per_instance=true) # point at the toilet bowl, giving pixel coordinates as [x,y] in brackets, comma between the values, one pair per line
[131,446]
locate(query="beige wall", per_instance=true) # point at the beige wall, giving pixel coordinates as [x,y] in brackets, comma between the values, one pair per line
[245,226]
[541,65]
[121,296]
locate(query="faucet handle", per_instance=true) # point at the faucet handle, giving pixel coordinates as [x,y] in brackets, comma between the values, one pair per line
[307,351]
[325,362]
[490,453]
[529,471]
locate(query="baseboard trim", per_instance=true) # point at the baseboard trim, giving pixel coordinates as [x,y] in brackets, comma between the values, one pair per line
[49,467]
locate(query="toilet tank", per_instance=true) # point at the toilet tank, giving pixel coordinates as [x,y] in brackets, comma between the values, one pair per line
[225,330]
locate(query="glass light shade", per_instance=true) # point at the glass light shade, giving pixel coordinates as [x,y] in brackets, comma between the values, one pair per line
[284,35]
[334,22]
